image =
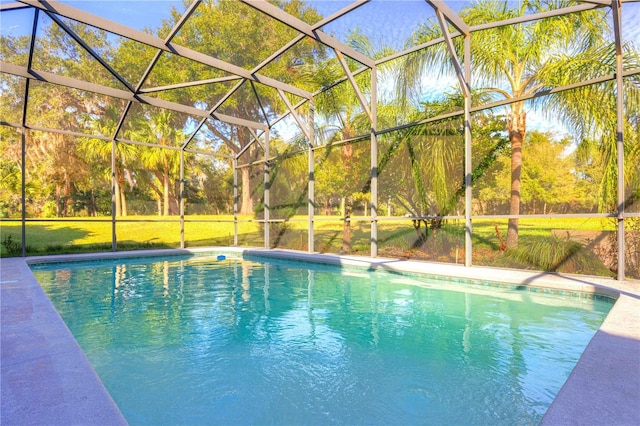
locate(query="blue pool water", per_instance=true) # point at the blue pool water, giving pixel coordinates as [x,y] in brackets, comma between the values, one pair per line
[197,340]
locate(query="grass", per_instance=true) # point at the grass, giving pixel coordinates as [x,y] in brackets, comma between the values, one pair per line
[71,235]
[397,238]
[556,254]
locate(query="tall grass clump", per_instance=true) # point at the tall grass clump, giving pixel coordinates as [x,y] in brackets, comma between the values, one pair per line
[555,254]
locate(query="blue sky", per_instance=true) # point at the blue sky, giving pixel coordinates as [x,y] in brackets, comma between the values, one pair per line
[395,19]
[137,14]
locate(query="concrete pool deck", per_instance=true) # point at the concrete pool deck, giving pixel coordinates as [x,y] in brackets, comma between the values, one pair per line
[46,378]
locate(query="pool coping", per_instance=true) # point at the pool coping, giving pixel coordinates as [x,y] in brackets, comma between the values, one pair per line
[47,379]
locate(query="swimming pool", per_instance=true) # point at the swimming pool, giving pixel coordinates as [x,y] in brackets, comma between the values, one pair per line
[191,339]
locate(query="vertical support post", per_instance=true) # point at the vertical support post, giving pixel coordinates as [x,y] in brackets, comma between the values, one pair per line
[23,184]
[235,201]
[23,139]
[374,162]
[468,163]
[616,7]
[311,189]
[267,216]
[182,198]
[114,194]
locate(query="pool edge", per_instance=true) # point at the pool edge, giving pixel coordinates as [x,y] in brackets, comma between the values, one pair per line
[45,377]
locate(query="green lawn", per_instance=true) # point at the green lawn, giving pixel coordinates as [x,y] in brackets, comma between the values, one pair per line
[71,235]
[148,231]
[396,238]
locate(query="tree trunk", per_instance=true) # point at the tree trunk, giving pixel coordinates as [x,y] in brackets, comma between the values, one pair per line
[92,204]
[346,227]
[165,190]
[517,122]
[58,214]
[327,207]
[346,233]
[174,204]
[246,204]
[123,195]
[123,200]
[116,195]
[243,138]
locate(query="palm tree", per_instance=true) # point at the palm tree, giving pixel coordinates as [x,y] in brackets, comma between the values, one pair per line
[595,122]
[159,129]
[96,149]
[520,60]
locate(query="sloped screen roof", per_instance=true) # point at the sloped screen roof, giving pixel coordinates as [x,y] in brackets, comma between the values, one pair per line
[226,63]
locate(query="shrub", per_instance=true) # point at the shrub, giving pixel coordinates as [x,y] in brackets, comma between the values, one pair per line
[13,247]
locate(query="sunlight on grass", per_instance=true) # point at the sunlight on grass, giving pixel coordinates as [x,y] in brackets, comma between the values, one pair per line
[218,230]
[396,238]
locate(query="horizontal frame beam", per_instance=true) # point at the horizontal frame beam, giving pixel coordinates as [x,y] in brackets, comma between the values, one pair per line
[121,94]
[472,29]
[537,16]
[12,6]
[496,104]
[158,43]
[107,138]
[189,84]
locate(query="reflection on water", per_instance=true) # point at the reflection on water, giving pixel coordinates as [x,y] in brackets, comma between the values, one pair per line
[196,340]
